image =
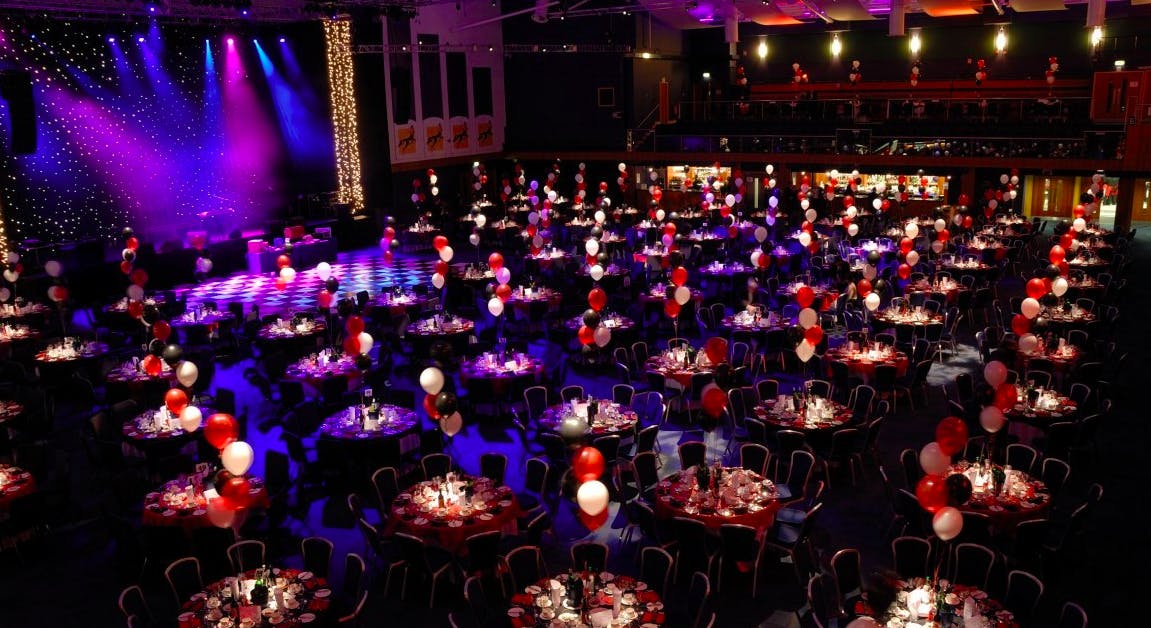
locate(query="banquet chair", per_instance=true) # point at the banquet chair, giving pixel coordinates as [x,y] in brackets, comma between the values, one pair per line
[424,562]
[524,566]
[910,554]
[655,565]
[589,556]
[1023,593]
[435,465]
[787,442]
[799,470]
[639,354]
[608,446]
[535,402]
[133,604]
[353,618]
[246,555]
[646,465]
[493,466]
[623,356]
[386,481]
[1072,616]
[1080,393]
[483,553]
[691,454]
[842,450]
[861,401]
[574,392]
[1026,549]
[649,408]
[886,383]
[793,542]
[767,389]
[739,547]
[698,612]
[1021,457]
[740,351]
[316,552]
[555,449]
[694,547]
[847,568]
[974,448]
[972,565]
[820,388]
[354,584]
[795,512]
[678,343]
[1040,378]
[910,517]
[885,338]
[534,495]
[912,471]
[819,609]
[754,457]
[183,577]
[1086,304]
[1054,474]
[622,394]
[756,432]
[477,600]
[646,439]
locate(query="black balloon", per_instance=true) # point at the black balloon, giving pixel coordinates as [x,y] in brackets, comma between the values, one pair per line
[390,221]
[1061,227]
[958,489]
[1040,324]
[156,347]
[591,318]
[363,361]
[332,285]
[489,290]
[221,478]
[395,245]
[794,335]
[602,259]
[172,355]
[676,258]
[873,258]
[596,232]
[346,307]
[446,403]
[879,285]
[673,216]
[128,255]
[128,232]
[151,314]
[1049,300]
[1051,271]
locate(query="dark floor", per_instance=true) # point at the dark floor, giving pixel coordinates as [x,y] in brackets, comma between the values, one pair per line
[71,577]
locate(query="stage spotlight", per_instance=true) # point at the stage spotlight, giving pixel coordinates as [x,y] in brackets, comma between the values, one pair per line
[151,8]
[140,40]
[111,40]
[231,42]
[283,40]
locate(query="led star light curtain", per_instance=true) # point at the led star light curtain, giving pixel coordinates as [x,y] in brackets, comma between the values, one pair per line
[164,128]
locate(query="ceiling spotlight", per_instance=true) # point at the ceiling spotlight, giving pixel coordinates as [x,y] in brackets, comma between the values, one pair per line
[1001,41]
[914,44]
[231,42]
[836,46]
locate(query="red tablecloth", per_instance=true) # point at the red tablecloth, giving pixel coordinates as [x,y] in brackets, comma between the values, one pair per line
[452,530]
[20,483]
[861,366]
[672,501]
[311,593]
[194,514]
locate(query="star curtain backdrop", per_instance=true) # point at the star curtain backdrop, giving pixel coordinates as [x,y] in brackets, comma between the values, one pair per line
[164,127]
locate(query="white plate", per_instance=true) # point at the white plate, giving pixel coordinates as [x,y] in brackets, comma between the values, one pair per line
[307,618]
[606,576]
[515,611]
[505,503]
[641,586]
[486,516]
[455,523]
[534,590]
[169,513]
[275,619]
[306,575]
[199,512]
[420,521]
[323,593]
[185,617]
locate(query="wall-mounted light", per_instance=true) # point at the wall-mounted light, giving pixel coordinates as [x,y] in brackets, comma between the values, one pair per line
[1119,64]
[1096,36]
[836,45]
[707,76]
[915,44]
[1001,41]
[761,49]
[645,55]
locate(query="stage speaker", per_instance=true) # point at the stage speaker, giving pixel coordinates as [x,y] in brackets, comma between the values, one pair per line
[16,89]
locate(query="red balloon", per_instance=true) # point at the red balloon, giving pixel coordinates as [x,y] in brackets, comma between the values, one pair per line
[1064,268]
[1065,241]
[1020,324]
[236,490]
[805,296]
[389,256]
[281,284]
[931,492]
[430,406]
[161,330]
[964,199]
[1006,396]
[814,334]
[132,243]
[221,429]
[175,400]
[679,276]
[967,222]
[669,229]
[951,435]
[904,271]
[943,236]
[135,309]
[126,267]
[1056,254]
[352,345]
[152,365]
[324,299]
[442,268]
[439,242]
[671,308]
[807,226]
[763,261]
[355,325]
[716,350]
[139,277]
[1079,212]
[504,292]
[597,298]
[283,261]
[848,201]
[863,287]
[591,522]
[586,335]
[906,244]
[495,261]
[813,248]
[714,401]
[588,464]
[389,233]
[1036,288]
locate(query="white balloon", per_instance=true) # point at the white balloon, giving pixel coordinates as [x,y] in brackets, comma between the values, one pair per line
[602,336]
[288,273]
[804,204]
[869,271]
[1015,179]
[432,380]
[709,197]
[538,241]
[660,215]
[1079,224]
[1028,343]
[877,203]
[852,211]
[937,246]
[237,457]
[533,218]
[600,216]
[433,179]
[437,281]
[957,220]
[622,167]
[667,240]
[552,196]
[4,294]
[135,293]
[474,239]
[760,234]
[13,257]
[755,258]
[591,246]
[452,424]
[1030,307]
[912,258]
[366,342]
[805,350]
[911,230]
[1004,179]
[219,516]
[187,373]
[808,318]
[805,238]
[991,418]
[871,301]
[682,295]
[323,271]
[596,272]
[717,185]
[933,460]
[503,275]
[880,187]
[769,169]
[995,373]
[853,230]
[190,418]
[940,224]
[948,522]
[53,268]
[993,204]
[770,220]
[592,497]
[481,220]
[729,200]
[772,202]
[204,265]
[495,306]
[435,191]
[811,215]
[771,183]
[447,253]
[1059,286]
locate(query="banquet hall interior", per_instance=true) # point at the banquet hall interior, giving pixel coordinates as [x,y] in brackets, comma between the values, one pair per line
[564,313]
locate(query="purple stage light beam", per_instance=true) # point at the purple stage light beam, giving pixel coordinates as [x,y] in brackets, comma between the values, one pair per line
[252,149]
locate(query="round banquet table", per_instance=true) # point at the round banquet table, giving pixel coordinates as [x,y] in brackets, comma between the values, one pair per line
[10,410]
[747,499]
[130,381]
[14,484]
[1090,265]
[142,432]
[119,309]
[611,418]
[975,268]
[284,332]
[388,305]
[313,370]
[675,370]
[422,333]
[546,601]
[1084,286]
[11,313]
[862,363]
[505,374]
[959,601]
[614,322]
[348,424]
[1062,318]
[88,351]
[199,326]
[747,323]
[717,270]
[824,296]
[416,511]
[1028,498]
[307,598]
[12,334]
[834,416]
[659,294]
[916,320]
[1064,358]
[1027,420]
[476,275]
[949,289]
[171,506]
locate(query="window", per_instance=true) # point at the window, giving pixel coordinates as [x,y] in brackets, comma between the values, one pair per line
[482,91]
[431,89]
[457,68]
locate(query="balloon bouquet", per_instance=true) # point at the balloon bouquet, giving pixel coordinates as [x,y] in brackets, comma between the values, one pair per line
[440,405]
[938,492]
